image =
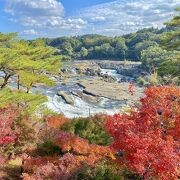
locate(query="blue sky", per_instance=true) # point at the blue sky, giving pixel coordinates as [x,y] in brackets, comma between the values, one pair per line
[53,18]
[72,6]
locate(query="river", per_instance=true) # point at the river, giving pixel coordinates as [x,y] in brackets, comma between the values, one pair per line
[80,107]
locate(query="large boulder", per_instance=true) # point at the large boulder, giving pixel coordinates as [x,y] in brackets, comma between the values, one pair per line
[96,87]
[68,99]
[85,97]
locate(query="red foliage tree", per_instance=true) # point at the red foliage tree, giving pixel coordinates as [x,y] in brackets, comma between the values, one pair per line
[147,139]
[51,168]
[7,134]
[67,167]
[79,146]
[7,115]
[131,88]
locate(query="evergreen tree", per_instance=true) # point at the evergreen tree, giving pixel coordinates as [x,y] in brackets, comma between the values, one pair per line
[28,62]
[170,40]
[25,64]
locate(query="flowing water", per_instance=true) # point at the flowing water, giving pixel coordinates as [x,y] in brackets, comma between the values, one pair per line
[80,107]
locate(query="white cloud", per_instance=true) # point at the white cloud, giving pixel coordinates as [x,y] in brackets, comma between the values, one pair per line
[113,18]
[29,32]
[98,18]
[42,14]
[124,16]
[34,8]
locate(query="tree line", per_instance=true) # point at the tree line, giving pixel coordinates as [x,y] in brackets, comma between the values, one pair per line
[94,46]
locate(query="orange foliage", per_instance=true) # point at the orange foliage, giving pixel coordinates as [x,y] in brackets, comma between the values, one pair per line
[68,165]
[80,146]
[56,121]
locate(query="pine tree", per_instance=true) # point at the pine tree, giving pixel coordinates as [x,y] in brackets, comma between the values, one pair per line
[170,40]
[26,64]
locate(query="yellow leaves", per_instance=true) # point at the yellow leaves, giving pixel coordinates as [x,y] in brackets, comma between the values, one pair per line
[5,38]
[154,78]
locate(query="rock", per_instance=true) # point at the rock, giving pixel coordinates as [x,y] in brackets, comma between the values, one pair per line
[114,91]
[88,68]
[66,97]
[64,70]
[90,72]
[108,78]
[87,98]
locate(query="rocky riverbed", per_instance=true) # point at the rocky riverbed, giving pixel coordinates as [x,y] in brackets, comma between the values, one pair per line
[86,88]
[110,71]
[91,89]
[97,87]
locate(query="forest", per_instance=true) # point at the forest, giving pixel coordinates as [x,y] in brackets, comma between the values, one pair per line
[102,47]
[142,142]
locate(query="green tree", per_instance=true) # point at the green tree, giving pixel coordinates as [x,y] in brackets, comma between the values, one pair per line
[25,64]
[83,52]
[20,58]
[152,57]
[66,48]
[170,40]
[139,47]
[120,48]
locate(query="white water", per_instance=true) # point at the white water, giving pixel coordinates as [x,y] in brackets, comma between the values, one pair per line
[80,107]
[113,73]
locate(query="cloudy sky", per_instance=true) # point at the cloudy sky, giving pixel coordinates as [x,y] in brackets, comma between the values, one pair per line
[52,18]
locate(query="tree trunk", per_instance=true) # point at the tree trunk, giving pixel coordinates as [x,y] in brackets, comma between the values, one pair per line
[6,78]
[18,83]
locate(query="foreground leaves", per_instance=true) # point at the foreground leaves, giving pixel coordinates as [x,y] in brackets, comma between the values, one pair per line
[146,140]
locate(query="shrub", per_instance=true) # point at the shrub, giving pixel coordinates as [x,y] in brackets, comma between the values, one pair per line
[90,128]
[141,81]
[154,79]
[7,134]
[62,168]
[67,166]
[103,170]
[16,134]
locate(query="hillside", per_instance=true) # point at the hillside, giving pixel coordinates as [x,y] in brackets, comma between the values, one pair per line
[94,46]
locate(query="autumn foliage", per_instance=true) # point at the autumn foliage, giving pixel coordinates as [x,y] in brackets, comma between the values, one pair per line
[146,139]
[75,154]
[7,133]
[56,121]
[51,167]
[16,133]
[79,146]
[78,154]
